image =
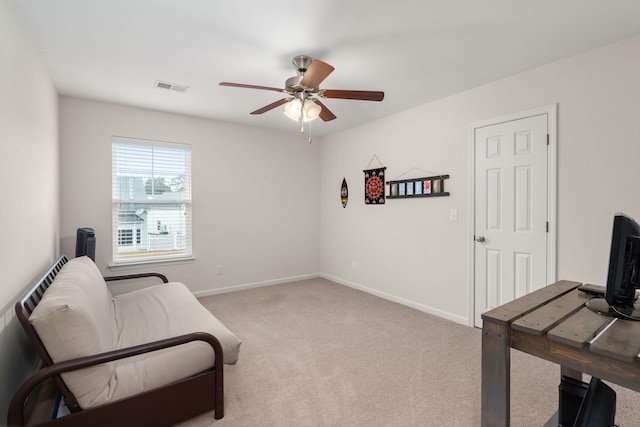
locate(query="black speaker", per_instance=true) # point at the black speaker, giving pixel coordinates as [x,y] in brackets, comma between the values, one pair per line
[598,407]
[572,392]
[86,243]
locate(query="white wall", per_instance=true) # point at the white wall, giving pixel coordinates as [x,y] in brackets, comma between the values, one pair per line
[255,192]
[409,250]
[29,177]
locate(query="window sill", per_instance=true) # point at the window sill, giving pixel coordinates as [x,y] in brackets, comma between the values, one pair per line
[128,265]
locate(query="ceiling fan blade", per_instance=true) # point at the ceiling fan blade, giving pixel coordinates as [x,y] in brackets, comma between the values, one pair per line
[362,95]
[275,89]
[316,73]
[271,106]
[326,114]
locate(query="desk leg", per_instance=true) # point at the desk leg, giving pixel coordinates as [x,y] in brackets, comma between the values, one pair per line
[571,373]
[496,375]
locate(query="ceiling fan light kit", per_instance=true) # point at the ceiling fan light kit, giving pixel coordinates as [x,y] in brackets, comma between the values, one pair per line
[305,110]
[293,109]
[305,88]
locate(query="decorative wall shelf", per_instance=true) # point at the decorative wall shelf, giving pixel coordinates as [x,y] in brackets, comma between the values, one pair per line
[430,186]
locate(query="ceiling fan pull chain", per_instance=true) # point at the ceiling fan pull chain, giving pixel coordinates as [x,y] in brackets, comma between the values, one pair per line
[309,133]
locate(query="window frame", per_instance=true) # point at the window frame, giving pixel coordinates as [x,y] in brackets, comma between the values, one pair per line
[177,204]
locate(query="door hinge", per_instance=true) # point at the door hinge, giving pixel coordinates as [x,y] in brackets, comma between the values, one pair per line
[547,226]
[547,139]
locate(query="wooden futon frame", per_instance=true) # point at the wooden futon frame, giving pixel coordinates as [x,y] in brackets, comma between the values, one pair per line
[162,406]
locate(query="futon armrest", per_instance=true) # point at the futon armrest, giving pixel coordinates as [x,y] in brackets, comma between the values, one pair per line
[136,276]
[15,414]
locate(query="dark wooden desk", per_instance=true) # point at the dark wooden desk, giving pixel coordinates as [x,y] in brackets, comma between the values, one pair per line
[553,324]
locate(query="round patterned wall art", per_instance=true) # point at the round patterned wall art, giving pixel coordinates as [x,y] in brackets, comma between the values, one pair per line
[374,186]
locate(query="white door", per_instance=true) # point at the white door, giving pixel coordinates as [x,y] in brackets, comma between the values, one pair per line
[511,211]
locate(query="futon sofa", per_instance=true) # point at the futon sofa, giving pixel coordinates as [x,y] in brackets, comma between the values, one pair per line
[156,349]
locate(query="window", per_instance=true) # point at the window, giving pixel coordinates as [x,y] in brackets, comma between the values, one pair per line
[125,237]
[151,200]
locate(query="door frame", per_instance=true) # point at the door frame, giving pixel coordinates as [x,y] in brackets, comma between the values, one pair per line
[551,111]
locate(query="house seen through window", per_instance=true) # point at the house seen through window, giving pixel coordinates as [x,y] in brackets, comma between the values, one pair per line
[151,200]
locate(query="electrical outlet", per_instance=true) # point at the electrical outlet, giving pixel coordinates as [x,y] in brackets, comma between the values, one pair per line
[453,215]
[218,270]
[353,265]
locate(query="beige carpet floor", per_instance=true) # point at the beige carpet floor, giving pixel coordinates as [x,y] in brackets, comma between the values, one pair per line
[316,353]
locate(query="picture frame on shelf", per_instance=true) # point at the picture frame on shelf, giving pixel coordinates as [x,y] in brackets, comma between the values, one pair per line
[426,187]
[436,186]
[410,188]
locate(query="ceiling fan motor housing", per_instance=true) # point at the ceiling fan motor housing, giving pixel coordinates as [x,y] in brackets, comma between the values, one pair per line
[302,63]
[293,84]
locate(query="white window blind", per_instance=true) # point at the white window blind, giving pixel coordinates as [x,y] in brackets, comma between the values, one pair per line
[151,200]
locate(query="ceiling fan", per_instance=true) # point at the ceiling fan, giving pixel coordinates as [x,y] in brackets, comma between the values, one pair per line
[304,89]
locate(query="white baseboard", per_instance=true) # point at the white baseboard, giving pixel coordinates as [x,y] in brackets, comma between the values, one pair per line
[426,309]
[234,288]
[421,307]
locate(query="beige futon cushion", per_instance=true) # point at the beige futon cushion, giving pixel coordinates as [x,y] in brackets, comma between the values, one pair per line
[160,312]
[75,318]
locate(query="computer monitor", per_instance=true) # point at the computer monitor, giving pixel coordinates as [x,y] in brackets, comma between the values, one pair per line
[622,277]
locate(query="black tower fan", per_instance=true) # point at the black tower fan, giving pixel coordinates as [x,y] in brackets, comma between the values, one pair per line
[86,243]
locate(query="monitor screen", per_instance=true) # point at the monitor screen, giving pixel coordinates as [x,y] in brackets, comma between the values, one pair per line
[622,276]
[620,289]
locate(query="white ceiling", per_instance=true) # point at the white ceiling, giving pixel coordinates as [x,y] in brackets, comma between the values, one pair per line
[415,51]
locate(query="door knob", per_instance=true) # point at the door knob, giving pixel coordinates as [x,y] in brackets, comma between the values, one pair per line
[480,239]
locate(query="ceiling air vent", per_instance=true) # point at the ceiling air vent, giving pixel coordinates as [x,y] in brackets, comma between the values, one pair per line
[171,86]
